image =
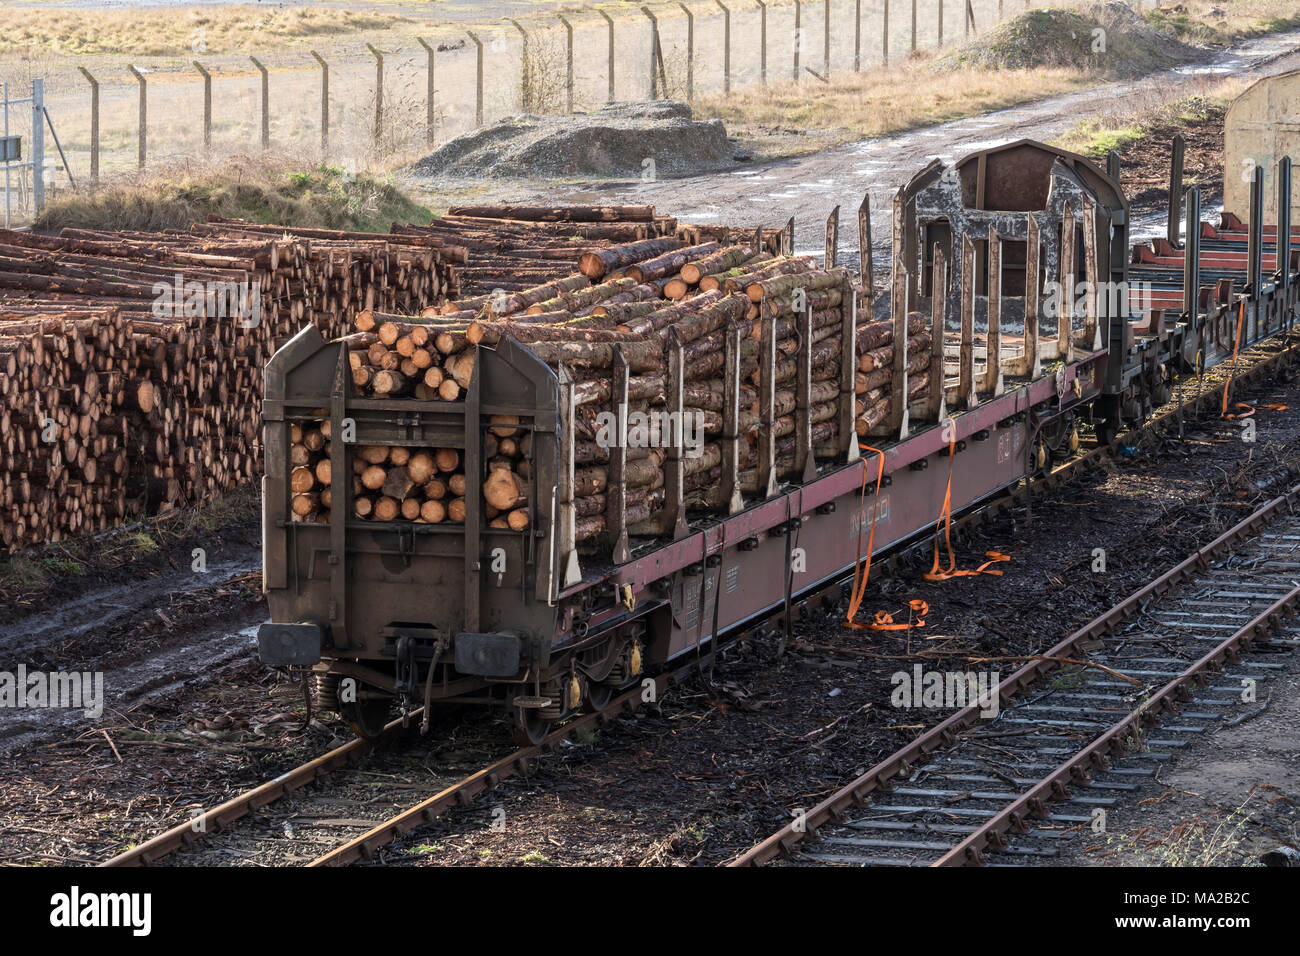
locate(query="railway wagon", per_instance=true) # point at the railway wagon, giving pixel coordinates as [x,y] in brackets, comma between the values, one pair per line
[401,613]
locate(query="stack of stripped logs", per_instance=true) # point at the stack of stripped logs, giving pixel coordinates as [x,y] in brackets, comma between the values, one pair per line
[656,325]
[131,363]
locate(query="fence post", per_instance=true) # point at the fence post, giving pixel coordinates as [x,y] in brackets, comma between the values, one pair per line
[478,83]
[970,20]
[655,55]
[94,124]
[143,148]
[379,91]
[762,41]
[525,78]
[939,45]
[826,42]
[266,102]
[857,35]
[798,38]
[726,47]
[428,92]
[884,37]
[324,101]
[568,64]
[913,26]
[610,21]
[38,146]
[690,52]
[207,105]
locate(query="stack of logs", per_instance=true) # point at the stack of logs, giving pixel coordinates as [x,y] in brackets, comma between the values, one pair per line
[517,247]
[634,300]
[131,363]
[393,482]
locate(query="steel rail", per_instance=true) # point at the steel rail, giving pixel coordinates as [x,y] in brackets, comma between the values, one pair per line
[463,792]
[831,810]
[1053,786]
[188,834]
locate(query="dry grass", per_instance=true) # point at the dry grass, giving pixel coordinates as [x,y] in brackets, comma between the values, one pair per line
[1218,22]
[171,32]
[792,119]
[1159,110]
[264,189]
[789,119]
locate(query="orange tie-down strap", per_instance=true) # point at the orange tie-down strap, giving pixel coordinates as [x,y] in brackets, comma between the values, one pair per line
[861,572]
[945,521]
[883,620]
[1246,409]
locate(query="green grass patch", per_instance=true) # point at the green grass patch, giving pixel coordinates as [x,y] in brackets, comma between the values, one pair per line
[323,197]
[1099,135]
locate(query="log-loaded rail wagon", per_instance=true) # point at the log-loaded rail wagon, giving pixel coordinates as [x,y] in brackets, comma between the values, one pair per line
[530,543]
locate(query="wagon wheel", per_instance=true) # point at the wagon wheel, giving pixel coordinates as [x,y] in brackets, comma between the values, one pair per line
[366,717]
[599,695]
[530,727]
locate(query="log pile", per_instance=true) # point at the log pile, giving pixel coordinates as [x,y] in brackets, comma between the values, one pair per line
[132,387]
[397,483]
[636,299]
[514,248]
[132,363]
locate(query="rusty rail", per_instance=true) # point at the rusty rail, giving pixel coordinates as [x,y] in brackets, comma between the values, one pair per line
[1012,816]
[944,735]
[186,835]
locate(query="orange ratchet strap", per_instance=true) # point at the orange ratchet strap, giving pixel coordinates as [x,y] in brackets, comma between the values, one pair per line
[945,519]
[861,573]
[885,621]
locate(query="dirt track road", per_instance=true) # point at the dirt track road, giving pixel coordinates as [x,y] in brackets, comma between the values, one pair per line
[809,187]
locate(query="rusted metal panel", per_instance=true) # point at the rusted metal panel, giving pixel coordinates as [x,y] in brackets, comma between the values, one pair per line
[832,238]
[1261,126]
[934,408]
[1091,339]
[1066,278]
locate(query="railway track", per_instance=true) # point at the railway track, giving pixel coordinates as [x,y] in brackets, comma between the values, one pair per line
[1140,681]
[307,834]
[300,835]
